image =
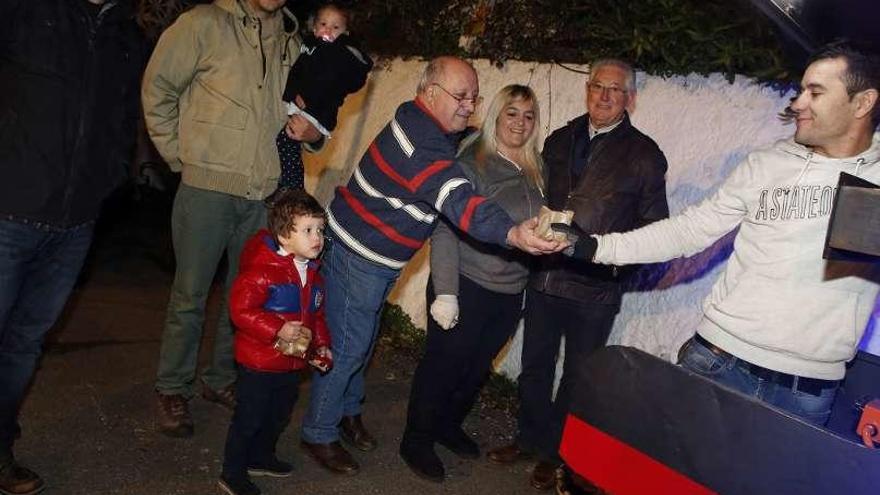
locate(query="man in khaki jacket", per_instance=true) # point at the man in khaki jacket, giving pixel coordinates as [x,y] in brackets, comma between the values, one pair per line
[212,104]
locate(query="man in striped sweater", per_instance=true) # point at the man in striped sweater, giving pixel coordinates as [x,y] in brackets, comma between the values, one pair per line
[377,222]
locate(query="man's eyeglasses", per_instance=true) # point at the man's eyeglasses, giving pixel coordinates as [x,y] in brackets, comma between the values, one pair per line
[475,101]
[613,91]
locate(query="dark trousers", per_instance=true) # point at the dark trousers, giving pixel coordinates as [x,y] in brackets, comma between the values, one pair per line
[39,266]
[290,156]
[264,402]
[585,327]
[457,361]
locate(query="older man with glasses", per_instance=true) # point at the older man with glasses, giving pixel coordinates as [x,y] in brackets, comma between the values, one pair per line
[389,207]
[612,177]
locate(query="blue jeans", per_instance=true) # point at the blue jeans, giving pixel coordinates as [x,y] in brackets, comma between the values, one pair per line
[39,266]
[356,289]
[263,405]
[734,373]
[204,224]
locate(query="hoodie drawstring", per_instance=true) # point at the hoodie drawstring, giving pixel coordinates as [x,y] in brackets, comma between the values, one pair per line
[804,169]
[859,163]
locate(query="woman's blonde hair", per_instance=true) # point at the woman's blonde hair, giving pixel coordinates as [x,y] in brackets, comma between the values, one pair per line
[487,145]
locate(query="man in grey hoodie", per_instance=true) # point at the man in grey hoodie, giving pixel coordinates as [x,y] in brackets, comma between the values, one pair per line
[781,322]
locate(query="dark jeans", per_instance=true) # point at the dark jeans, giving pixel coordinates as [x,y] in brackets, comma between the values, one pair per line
[457,361]
[734,373]
[38,267]
[264,402]
[585,327]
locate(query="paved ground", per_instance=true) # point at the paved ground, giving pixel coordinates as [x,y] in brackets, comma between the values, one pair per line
[88,423]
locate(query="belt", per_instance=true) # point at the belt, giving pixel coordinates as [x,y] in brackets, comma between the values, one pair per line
[811,386]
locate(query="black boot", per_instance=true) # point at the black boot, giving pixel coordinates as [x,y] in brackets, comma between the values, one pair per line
[422,460]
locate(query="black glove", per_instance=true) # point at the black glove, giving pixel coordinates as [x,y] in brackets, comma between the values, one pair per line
[583,246]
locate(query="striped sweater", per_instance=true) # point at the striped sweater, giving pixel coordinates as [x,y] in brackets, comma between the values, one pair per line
[405,179]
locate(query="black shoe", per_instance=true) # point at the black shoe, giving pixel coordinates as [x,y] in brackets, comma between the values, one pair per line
[457,441]
[273,468]
[237,487]
[423,461]
[19,480]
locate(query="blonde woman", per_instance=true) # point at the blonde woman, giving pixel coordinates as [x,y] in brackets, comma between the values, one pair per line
[476,289]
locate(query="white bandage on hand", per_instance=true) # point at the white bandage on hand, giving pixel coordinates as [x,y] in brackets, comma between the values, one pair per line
[444,310]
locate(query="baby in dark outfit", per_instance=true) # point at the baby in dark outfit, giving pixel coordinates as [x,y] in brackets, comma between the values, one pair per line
[330,67]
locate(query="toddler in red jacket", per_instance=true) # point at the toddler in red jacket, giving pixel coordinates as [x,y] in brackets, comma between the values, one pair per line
[277,306]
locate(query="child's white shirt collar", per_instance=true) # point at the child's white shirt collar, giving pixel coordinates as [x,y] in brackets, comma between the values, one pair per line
[301,266]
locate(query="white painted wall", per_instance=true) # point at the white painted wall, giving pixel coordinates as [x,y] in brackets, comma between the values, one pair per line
[704,125]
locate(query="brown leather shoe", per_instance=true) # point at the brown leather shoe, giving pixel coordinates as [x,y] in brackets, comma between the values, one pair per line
[508,454]
[544,475]
[225,397]
[352,430]
[570,483]
[174,418]
[331,456]
[19,480]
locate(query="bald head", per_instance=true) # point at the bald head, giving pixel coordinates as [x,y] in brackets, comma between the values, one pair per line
[450,90]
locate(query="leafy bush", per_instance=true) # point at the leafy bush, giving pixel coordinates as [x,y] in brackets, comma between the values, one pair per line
[659,36]
[399,333]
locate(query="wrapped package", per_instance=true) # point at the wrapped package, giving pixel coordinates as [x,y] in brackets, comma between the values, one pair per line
[548,217]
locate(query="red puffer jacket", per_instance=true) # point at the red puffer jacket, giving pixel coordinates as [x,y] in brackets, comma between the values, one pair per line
[266,294]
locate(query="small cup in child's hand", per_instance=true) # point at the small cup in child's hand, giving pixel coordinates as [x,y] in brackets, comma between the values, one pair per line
[321,359]
[295,341]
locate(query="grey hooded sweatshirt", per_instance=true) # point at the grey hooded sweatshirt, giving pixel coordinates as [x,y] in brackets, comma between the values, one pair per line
[777,304]
[494,268]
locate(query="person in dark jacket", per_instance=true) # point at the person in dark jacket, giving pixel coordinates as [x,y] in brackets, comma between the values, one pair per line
[476,289]
[69,73]
[612,177]
[277,298]
[330,67]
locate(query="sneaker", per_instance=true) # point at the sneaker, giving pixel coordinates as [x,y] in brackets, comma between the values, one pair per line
[225,397]
[174,418]
[274,468]
[19,480]
[237,487]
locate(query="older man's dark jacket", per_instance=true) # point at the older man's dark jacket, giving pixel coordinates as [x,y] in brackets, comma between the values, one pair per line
[620,187]
[69,76]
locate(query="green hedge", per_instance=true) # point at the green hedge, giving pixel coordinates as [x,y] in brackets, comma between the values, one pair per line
[659,36]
